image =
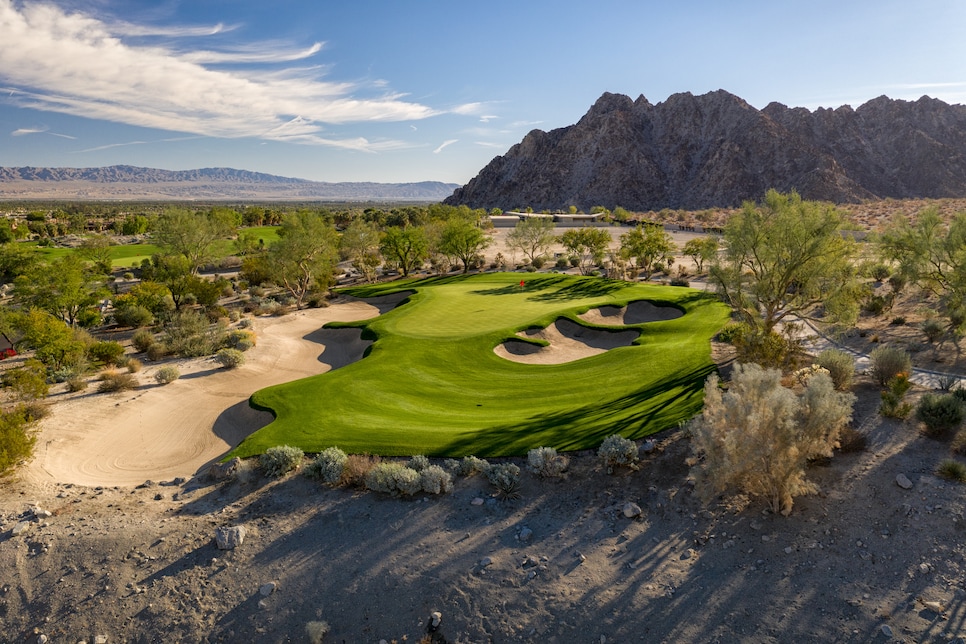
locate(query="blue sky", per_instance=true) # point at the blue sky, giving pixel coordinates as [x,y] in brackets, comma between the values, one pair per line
[412,90]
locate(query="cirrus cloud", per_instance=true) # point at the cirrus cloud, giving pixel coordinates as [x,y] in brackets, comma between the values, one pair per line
[76,64]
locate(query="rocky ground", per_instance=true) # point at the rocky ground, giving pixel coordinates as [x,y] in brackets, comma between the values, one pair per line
[867,559]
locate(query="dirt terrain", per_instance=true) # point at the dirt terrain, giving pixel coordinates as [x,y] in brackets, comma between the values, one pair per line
[91,549]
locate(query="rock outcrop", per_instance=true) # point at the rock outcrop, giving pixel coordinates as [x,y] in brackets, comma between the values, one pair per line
[716,150]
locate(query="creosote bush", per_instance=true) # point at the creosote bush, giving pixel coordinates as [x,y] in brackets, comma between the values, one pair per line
[106,352]
[939,414]
[888,362]
[356,468]
[114,381]
[758,436]
[505,477]
[17,438]
[142,340]
[840,366]
[279,460]
[241,339]
[418,463]
[617,451]
[328,467]
[230,358]
[133,365]
[546,462]
[469,466]
[166,374]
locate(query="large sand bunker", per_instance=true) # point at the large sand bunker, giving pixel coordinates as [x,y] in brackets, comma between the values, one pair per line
[162,432]
[568,341]
[637,312]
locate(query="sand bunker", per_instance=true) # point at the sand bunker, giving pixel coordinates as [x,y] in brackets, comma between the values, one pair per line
[637,312]
[162,432]
[568,340]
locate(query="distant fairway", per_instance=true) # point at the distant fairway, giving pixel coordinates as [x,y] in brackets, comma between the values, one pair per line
[432,384]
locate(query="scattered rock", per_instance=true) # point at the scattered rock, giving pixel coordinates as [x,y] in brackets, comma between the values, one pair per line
[20,527]
[886,630]
[267,589]
[485,562]
[648,446]
[687,554]
[229,538]
[435,619]
[903,481]
[100,639]
[224,471]
[632,510]
[158,497]
[148,483]
[526,534]
[477,501]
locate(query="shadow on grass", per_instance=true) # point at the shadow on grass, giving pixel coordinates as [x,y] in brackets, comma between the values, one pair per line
[587,426]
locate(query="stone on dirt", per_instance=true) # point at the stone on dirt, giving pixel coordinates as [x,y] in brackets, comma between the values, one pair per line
[229,538]
[903,481]
[632,510]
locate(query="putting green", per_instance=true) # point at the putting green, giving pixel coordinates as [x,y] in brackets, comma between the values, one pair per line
[432,384]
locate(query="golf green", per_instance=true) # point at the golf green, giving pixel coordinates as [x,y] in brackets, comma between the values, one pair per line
[432,384]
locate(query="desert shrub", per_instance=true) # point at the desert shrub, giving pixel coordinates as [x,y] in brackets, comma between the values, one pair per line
[897,282]
[435,480]
[939,413]
[617,451]
[732,330]
[946,381]
[133,365]
[888,362]
[133,315]
[76,384]
[893,405]
[245,323]
[805,374]
[157,351]
[958,445]
[166,374]
[757,437]
[933,330]
[142,340]
[840,366]
[539,261]
[393,478]
[17,439]
[28,382]
[758,346]
[562,263]
[951,470]
[418,463]
[546,462]
[852,440]
[471,465]
[280,460]
[230,358]
[897,320]
[114,381]
[875,305]
[105,352]
[679,281]
[879,272]
[505,477]
[34,410]
[356,468]
[241,339]
[189,334]
[328,466]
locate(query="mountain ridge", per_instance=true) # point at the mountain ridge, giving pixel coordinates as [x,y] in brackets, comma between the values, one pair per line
[716,150]
[134,182]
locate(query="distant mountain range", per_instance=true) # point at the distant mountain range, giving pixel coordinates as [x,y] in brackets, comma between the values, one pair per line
[715,150]
[133,183]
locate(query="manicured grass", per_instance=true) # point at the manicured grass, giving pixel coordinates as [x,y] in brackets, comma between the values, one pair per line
[121,256]
[431,383]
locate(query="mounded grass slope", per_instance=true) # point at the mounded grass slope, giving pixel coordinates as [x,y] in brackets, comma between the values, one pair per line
[431,383]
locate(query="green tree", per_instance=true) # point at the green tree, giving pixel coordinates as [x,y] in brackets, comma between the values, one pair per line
[55,344]
[463,240]
[174,272]
[16,260]
[587,244]
[701,250]
[784,258]
[931,254]
[648,245]
[405,248]
[192,235]
[305,255]
[97,250]
[64,288]
[533,236]
[134,225]
[360,245]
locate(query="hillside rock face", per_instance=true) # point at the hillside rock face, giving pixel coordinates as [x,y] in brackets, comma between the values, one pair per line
[716,150]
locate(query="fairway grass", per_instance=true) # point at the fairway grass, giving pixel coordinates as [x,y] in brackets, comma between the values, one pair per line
[432,384]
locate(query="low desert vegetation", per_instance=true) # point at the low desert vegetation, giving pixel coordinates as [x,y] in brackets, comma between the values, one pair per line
[113,381]
[230,358]
[840,366]
[758,436]
[952,470]
[889,362]
[546,462]
[280,460]
[617,451]
[329,466]
[166,374]
[940,414]
[505,477]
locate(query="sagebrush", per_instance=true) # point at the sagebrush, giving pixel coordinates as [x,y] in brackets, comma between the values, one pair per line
[279,460]
[617,451]
[758,436]
[546,462]
[328,466]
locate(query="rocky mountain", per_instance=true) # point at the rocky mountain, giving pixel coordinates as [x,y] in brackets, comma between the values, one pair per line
[129,182]
[694,152]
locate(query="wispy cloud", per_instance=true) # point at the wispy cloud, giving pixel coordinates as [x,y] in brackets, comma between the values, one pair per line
[444,145]
[24,131]
[491,144]
[76,64]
